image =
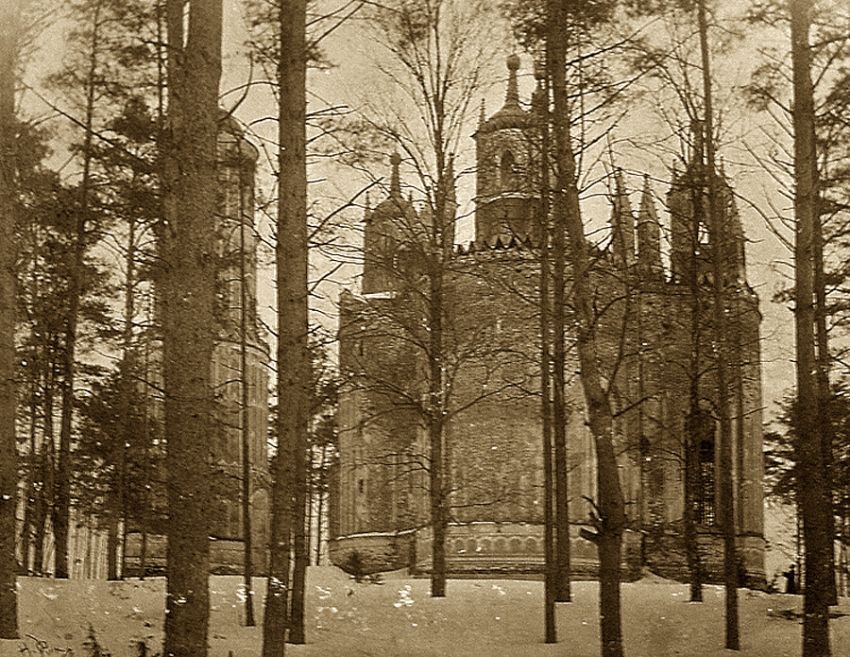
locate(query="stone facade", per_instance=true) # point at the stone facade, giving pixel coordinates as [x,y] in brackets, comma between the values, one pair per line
[237,256]
[650,346]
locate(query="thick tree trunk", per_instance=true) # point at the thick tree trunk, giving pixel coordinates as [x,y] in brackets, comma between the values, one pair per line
[9,15]
[811,485]
[189,183]
[717,233]
[611,504]
[293,364]
[301,552]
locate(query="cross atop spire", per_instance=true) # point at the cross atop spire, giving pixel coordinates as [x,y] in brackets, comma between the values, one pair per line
[512,96]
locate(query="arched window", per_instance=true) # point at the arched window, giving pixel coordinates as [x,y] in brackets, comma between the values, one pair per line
[704,476]
[507,170]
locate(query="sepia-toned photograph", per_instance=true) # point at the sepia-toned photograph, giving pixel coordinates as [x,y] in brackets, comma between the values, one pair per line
[424,328]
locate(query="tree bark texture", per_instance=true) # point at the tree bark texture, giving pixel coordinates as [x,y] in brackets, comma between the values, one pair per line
[550,569]
[293,361]
[188,294]
[245,415]
[827,429]
[9,20]
[567,216]
[61,512]
[812,495]
[717,236]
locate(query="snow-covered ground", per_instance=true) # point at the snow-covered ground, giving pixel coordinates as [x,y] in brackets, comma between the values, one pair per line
[397,618]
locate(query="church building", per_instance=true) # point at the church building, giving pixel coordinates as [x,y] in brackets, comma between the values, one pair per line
[656,352]
[236,310]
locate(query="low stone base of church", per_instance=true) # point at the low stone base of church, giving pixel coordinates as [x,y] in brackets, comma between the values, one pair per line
[512,549]
[226,556]
[666,556]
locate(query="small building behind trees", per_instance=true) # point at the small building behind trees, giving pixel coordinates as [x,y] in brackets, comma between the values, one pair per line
[237,253]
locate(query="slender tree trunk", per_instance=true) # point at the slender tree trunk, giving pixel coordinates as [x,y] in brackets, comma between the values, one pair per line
[247,538]
[9,25]
[189,183]
[567,216]
[717,233]
[559,416]
[436,424]
[112,546]
[812,495]
[125,404]
[62,498]
[827,430]
[46,464]
[147,497]
[550,566]
[691,440]
[322,483]
[29,496]
[437,503]
[293,364]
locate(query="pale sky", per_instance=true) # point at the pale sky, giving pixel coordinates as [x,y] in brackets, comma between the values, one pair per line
[355,77]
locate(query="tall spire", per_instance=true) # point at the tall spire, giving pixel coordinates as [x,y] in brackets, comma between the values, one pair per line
[512,96]
[395,180]
[482,113]
[698,135]
[649,234]
[622,222]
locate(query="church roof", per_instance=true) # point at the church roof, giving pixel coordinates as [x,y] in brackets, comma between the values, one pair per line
[511,115]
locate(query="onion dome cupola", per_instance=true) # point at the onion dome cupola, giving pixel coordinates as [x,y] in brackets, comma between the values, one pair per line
[507,202]
[388,231]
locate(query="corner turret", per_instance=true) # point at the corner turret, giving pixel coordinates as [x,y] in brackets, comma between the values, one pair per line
[649,236]
[388,229]
[622,224]
[507,200]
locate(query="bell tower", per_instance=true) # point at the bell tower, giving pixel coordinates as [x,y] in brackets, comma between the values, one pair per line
[507,202]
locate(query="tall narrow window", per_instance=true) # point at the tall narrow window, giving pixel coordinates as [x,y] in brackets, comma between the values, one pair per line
[704,495]
[507,170]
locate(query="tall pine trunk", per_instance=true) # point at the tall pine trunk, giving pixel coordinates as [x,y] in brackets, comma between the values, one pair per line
[293,364]
[61,512]
[717,234]
[320,501]
[245,415]
[827,427]
[693,424]
[567,217]
[813,500]
[438,461]
[559,415]
[189,182]
[9,25]
[550,569]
